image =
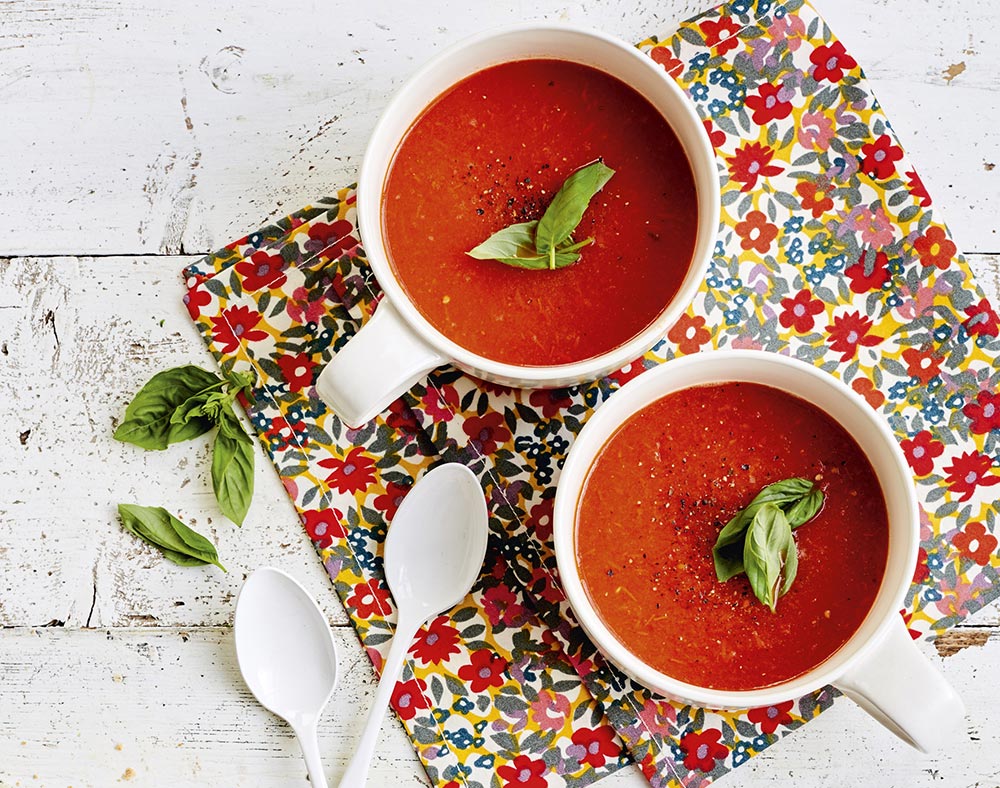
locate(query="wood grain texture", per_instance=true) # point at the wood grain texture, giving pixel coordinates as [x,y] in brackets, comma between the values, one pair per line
[175,127]
[138,131]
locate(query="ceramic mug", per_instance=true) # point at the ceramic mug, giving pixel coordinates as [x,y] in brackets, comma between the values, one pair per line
[879,667]
[398,346]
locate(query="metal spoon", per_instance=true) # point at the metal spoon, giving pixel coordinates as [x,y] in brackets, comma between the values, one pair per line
[434,552]
[287,657]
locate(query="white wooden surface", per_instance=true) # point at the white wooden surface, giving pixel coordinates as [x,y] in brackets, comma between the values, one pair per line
[134,136]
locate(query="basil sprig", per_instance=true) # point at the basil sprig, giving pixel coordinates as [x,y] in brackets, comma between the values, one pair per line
[176,405]
[548,242]
[758,539]
[178,543]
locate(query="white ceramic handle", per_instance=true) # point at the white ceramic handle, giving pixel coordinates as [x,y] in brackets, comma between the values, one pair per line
[899,687]
[309,742]
[356,773]
[377,366]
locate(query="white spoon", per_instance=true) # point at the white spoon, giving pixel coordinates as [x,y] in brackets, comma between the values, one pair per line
[286,655]
[434,552]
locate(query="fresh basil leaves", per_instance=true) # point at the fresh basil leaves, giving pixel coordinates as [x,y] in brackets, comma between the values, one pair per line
[176,541]
[547,243]
[759,540]
[176,405]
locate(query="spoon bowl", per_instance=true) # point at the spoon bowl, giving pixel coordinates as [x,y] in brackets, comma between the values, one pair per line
[434,552]
[286,655]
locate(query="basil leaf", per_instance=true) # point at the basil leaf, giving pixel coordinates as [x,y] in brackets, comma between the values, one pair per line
[232,467]
[568,206]
[177,542]
[148,417]
[241,381]
[790,567]
[515,241]
[799,498]
[765,552]
[541,262]
[803,510]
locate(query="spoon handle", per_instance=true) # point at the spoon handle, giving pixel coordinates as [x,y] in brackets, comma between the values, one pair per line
[357,768]
[309,742]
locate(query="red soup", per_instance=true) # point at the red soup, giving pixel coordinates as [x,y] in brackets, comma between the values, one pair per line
[492,151]
[652,507]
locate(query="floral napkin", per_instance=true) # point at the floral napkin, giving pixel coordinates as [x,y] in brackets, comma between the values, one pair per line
[828,251]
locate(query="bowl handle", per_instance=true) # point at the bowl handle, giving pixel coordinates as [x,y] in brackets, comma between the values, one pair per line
[898,686]
[377,366]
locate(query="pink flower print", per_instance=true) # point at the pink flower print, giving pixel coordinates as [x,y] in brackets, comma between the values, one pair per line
[815,131]
[549,710]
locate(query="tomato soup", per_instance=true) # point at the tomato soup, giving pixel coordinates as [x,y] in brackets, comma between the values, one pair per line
[659,493]
[492,151]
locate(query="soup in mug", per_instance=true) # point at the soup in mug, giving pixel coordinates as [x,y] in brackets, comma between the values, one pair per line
[652,507]
[492,151]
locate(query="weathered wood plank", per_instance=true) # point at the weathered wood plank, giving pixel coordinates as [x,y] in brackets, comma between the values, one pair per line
[81,335]
[77,338]
[137,127]
[81,707]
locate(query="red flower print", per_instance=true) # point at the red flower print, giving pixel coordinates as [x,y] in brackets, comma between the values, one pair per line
[831,62]
[770,717]
[440,402]
[408,698]
[813,198]
[551,401]
[799,312]
[920,451]
[501,606]
[870,272]
[629,371]
[281,435]
[543,587]
[369,599]
[702,750]
[195,299]
[436,642]
[331,239]
[866,389]
[665,57]
[984,413]
[915,187]
[750,162]
[757,232]
[975,542]
[922,364]
[352,473]
[297,370]
[261,270]
[923,571]
[848,332]
[716,136]
[768,105]
[540,519]
[401,419]
[234,324]
[689,333]
[523,772]
[969,471]
[487,432]
[982,320]
[599,744]
[485,669]
[389,503]
[720,34]
[879,158]
[935,248]
[308,306]
[324,525]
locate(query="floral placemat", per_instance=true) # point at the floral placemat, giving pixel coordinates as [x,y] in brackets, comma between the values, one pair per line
[828,251]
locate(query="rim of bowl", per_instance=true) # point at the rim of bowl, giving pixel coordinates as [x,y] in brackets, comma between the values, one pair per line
[564,527]
[371,180]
